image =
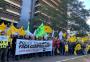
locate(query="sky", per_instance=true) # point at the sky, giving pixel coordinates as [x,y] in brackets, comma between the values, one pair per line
[87,6]
[86,3]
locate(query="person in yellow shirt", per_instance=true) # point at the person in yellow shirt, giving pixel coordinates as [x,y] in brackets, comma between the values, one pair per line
[77,48]
[64,35]
[66,48]
[84,39]
[72,39]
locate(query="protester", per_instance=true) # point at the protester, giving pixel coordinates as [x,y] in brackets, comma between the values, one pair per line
[65,35]
[62,47]
[62,44]
[66,48]
[57,46]
[14,45]
[87,48]
[60,35]
[9,54]
[53,46]
[3,50]
[77,49]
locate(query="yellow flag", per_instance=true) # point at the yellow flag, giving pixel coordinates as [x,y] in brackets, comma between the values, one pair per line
[48,29]
[3,27]
[11,30]
[21,31]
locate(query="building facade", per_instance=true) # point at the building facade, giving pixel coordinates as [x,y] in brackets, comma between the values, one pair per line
[46,11]
[43,7]
[10,10]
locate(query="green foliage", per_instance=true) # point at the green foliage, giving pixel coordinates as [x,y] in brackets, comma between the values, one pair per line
[78,14]
[59,18]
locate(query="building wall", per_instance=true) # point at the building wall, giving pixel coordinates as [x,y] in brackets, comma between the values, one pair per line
[43,9]
[50,11]
[10,10]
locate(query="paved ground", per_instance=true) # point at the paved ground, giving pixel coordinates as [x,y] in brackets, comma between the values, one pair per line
[85,58]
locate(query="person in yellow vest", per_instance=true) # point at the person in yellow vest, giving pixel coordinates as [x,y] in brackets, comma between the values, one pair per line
[66,48]
[9,46]
[3,49]
[77,49]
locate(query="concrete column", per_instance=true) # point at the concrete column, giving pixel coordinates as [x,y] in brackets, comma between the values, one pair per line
[25,13]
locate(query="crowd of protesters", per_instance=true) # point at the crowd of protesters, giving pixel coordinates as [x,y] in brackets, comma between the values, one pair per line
[63,44]
[71,45]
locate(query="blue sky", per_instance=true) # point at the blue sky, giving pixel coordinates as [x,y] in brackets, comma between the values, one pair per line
[86,3]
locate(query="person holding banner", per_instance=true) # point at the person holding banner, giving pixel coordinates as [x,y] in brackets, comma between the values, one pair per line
[53,45]
[14,37]
[3,47]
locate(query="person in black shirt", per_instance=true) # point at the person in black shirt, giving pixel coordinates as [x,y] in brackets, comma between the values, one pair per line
[14,45]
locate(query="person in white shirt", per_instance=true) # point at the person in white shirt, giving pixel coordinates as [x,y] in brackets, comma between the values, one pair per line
[60,35]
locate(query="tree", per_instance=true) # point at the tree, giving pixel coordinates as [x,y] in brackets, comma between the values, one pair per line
[59,18]
[78,13]
[52,15]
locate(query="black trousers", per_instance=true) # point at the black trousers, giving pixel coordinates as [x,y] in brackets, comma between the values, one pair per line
[3,54]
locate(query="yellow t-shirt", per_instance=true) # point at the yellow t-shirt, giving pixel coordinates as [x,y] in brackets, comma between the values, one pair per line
[64,35]
[84,39]
[72,39]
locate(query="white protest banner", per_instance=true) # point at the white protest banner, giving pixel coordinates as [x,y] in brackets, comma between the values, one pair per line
[32,46]
[3,41]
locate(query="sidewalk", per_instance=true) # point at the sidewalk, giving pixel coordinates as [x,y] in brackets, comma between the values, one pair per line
[58,59]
